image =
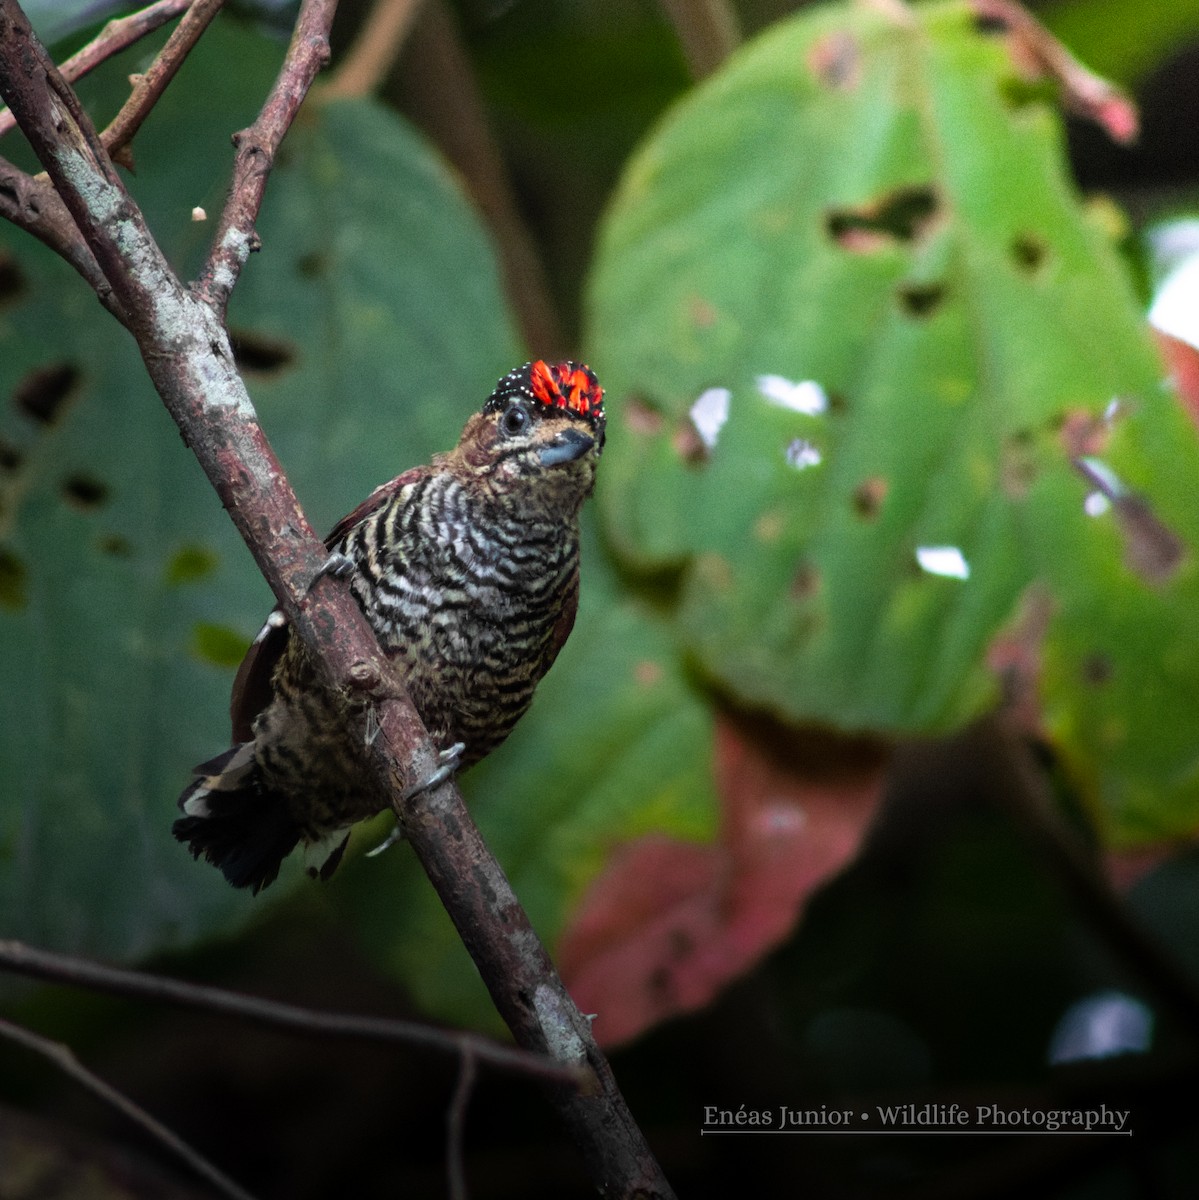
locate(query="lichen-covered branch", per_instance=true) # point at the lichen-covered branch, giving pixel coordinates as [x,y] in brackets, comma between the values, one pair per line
[184,344]
[33,205]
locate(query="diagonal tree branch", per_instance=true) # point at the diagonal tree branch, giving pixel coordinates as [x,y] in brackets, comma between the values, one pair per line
[441,93]
[64,1058]
[117,35]
[186,350]
[375,50]
[236,238]
[708,32]
[150,85]
[33,205]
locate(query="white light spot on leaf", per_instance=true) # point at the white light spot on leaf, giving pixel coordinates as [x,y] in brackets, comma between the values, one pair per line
[1175,308]
[709,413]
[947,561]
[1101,1026]
[1172,243]
[805,397]
[801,454]
[1096,504]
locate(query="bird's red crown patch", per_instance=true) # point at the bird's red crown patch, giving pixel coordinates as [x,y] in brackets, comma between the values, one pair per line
[569,386]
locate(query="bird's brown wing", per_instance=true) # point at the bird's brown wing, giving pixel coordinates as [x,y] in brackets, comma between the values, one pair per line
[252,686]
[380,496]
[565,622]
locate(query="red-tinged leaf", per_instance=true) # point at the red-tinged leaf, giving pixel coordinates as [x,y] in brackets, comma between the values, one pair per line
[1126,868]
[1182,359]
[669,923]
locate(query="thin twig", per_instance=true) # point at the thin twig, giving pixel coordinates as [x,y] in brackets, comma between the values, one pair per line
[119,34]
[455,1120]
[1035,50]
[236,238]
[64,1058]
[187,353]
[80,972]
[708,32]
[369,60]
[149,86]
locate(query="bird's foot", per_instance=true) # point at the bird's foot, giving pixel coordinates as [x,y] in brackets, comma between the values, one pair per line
[396,835]
[448,761]
[339,565]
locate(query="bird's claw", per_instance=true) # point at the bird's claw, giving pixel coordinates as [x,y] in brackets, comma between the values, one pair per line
[338,565]
[448,761]
[396,835]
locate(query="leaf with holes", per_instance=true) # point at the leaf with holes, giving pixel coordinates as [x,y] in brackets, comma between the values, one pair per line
[859,334]
[369,332]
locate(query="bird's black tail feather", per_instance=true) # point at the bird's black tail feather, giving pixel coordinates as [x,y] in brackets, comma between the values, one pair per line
[235,822]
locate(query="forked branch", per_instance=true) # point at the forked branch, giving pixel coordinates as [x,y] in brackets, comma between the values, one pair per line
[185,346]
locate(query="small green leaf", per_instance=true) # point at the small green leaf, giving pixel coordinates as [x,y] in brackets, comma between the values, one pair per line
[218,645]
[190,564]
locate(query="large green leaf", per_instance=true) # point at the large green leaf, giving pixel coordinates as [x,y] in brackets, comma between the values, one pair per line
[373,325]
[875,202]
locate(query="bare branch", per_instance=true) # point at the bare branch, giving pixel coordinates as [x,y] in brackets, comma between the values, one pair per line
[117,35]
[187,354]
[149,87]
[236,238]
[375,49]
[63,1058]
[80,972]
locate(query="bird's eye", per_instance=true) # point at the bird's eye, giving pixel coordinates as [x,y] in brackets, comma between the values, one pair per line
[515,420]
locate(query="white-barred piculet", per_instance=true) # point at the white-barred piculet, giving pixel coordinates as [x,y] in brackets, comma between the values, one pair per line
[468,571]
